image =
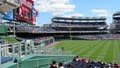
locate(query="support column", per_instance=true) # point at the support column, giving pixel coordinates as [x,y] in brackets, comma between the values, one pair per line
[14,29]
[25,49]
[13,52]
[19,47]
[6,48]
[38,49]
[53,40]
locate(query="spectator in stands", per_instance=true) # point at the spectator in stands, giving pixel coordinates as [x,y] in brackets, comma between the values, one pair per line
[103,65]
[54,64]
[108,65]
[80,60]
[85,60]
[76,58]
[116,65]
[111,65]
[61,65]
[90,66]
[69,66]
[18,60]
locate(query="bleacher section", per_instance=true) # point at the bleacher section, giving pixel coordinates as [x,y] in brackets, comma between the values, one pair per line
[115,25]
[80,25]
[99,37]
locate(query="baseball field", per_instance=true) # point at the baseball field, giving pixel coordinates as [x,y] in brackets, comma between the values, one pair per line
[104,50]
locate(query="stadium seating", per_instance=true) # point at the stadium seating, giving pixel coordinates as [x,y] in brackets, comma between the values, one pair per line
[101,36]
[43,29]
[25,29]
[84,63]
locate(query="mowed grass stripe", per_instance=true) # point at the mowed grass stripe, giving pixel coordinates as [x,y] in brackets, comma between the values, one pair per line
[72,44]
[103,51]
[89,48]
[97,50]
[72,48]
[118,43]
[109,53]
[116,52]
[69,44]
[64,44]
[89,53]
[80,48]
[85,47]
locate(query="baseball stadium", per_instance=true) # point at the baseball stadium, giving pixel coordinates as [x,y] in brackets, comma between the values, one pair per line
[66,42]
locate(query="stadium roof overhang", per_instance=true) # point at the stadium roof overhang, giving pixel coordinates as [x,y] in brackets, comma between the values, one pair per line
[7,5]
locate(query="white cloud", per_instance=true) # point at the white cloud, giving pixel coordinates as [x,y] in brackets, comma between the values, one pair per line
[54,6]
[74,14]
[60,1]
[104,14]
[100,12]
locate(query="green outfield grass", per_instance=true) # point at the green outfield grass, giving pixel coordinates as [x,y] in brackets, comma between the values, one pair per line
[104,50]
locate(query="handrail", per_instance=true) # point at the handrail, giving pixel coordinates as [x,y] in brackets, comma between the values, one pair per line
[57,57]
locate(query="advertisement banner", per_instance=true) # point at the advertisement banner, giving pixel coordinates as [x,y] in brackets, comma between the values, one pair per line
[33,16]
[8,15]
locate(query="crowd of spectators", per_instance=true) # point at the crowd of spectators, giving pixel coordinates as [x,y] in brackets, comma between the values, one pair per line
[55,65]
[43,29]
[76,25]
[31,29]
[25,28]
[39,39]
[102,36]
[84,63]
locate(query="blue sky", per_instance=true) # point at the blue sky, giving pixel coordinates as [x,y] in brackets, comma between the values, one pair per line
[66,8]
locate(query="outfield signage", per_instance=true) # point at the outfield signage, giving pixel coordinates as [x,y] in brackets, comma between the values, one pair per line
[8,15]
